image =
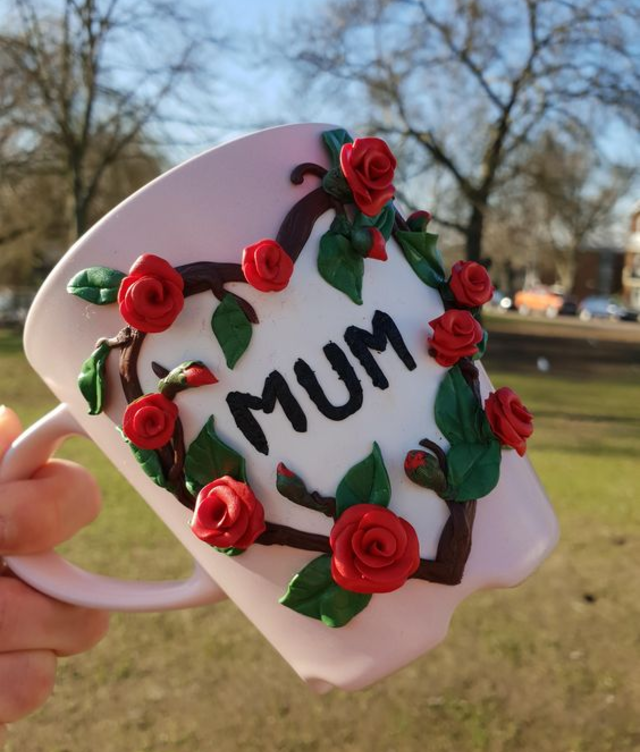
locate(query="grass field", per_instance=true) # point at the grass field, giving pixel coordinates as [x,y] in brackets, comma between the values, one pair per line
[552,666]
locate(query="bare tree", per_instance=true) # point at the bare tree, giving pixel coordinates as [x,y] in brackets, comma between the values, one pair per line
[577,195]
[563,201]
[84,81]
[462,87]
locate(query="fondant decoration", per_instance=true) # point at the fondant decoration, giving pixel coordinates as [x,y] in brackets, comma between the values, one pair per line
[374,551]
[365,483]
[470,284]
[276,390]
[421,252]
[209,457]
[509,419]
[227,514]
[232,329]
[149,421]
[92,378]
[266,266]
[293,488]
[370,549]
[361,342]
[189,375]
[152,295]
[418,221]
[150,462]
[369,166]
[378,247]
[344,370]
[314,592]
[98,285]
[456,335]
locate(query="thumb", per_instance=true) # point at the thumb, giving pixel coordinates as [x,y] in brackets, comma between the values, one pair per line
[10,428]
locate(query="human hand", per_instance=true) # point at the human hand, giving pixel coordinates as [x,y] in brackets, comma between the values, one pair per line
[36,515]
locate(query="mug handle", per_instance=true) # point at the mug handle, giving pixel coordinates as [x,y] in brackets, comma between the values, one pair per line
[53,575]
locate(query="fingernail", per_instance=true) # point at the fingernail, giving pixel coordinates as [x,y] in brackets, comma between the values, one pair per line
[3,411]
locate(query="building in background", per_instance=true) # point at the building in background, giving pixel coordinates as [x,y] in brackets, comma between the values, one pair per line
[631,271]
[598,271]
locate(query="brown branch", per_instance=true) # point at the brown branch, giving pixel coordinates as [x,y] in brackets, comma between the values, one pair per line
[214,275]
[298,224]
[306,168]
[281,535]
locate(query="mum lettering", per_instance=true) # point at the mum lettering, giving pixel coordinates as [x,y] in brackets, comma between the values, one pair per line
[361,343]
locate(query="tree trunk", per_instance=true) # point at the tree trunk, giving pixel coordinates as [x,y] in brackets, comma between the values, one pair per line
[475,229]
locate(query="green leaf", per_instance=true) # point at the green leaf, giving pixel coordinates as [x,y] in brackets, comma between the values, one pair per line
[91,380]
[341,266]
[341,225]
[421,252]
[230,550]
[312,592]
[149,461]
[473,470]
[209,458]
[366,483]
[384,221]
[458,415]
[482,345]
[232,329]
[334,141]
[98,285]
[292,487]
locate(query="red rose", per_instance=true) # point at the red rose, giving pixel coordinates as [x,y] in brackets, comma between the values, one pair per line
[378,250]
[228,514]
[149,421]
[456,334]
[199,375]
[470,284]
[267,266]
[368,166]
[151,296]
[509,419]
[374,550]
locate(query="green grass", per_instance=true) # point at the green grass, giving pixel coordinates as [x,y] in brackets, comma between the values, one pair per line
[552,666]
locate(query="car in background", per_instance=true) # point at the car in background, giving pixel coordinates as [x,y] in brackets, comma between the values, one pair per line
[500,302]
[604,307]
[539,299]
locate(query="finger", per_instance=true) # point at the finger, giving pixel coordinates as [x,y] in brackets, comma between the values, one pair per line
[32,621]
[26,680]
[10,428]
[39,513]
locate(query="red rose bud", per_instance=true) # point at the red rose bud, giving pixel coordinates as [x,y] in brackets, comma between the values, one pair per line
[369,242]
[187,375]
[198,374]
[267,266]
[510,421]
[151,296]
[470,284]
[374,550]
[419,220]
[456,335]
[284,471]
[424,469]
[378,250]
[369,167]
[149,421]
[228,514]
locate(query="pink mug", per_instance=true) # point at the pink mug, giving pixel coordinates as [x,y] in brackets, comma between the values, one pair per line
[297,387]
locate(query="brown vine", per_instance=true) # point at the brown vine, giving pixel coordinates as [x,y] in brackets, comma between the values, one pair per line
[455,539]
